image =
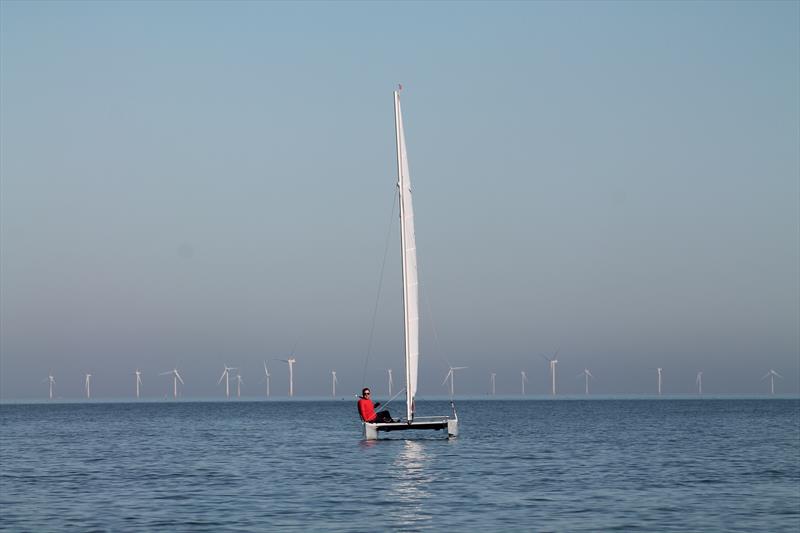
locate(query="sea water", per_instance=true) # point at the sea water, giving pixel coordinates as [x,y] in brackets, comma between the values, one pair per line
[546,465]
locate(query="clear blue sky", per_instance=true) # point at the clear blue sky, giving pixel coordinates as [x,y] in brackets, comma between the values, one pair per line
[196,184]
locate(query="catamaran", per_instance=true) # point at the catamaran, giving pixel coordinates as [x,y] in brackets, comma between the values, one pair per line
[408,250]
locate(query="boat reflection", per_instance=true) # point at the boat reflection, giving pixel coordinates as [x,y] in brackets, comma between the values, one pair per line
[410,485]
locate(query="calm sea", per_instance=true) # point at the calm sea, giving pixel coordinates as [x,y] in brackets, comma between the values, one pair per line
[563,465]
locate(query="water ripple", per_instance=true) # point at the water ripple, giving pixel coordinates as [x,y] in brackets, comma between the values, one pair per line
[242,466]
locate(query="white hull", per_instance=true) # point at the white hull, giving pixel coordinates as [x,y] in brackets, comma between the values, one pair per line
[433,423]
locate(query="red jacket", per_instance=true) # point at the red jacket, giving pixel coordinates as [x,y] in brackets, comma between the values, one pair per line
[366,409]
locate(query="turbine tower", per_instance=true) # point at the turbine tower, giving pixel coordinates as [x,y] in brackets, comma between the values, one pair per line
[699,381]
[659,381]
[239,385]
[334,381]
[451,374]
[291,362]
[493,375]
[771,375]
[88,386]
[266,377]
[553,360]
[586,374]
[51,380]
[175,379]
[226,375]
[524,380]
[391,382]
[138,381]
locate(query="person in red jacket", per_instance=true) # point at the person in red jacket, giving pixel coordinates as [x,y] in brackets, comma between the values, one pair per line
[367,409]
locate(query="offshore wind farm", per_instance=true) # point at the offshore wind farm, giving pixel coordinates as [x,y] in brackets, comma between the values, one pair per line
[767,389]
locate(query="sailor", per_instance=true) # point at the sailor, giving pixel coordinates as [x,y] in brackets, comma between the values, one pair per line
[367,409]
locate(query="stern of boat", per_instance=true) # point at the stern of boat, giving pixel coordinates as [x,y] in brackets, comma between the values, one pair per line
[370,431]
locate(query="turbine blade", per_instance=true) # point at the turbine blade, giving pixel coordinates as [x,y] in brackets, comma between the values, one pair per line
[222,376]
[778,375]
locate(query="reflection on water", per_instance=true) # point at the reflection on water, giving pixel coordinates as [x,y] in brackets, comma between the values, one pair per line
[410,485]
[366,444]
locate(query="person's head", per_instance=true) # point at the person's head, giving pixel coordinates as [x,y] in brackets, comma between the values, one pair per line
[365,392]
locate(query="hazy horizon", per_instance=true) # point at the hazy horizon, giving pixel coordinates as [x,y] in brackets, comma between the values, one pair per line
[202,184]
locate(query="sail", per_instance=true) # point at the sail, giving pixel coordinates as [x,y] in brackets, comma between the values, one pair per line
[409,255]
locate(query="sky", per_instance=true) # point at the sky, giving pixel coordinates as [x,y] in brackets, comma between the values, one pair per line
[195,184]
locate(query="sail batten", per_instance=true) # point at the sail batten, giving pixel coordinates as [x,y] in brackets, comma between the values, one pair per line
[409,260]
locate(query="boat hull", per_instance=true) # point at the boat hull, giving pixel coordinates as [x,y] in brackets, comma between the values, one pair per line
[449,425]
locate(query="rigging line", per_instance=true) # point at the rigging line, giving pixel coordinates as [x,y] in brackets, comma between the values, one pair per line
[393,397]
[380,286]
[439,352]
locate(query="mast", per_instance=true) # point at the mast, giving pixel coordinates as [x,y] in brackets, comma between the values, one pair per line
[408,251]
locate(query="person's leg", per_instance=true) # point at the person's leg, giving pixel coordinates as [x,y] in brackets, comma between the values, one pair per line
[383,416]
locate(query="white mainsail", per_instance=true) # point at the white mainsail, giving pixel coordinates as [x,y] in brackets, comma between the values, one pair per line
[409,256]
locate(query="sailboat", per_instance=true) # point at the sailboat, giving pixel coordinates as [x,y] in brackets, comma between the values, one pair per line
[408,250]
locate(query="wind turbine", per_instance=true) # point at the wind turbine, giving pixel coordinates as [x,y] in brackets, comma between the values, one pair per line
[659,381]
[175,379]
[524,380]
[138,381]
[391,382]
[266,377]
[493,375]
[451,374]
[587,375]
[553,360]
[87,386]
[771,375]
[226,374]
[239,385]
[50,379]
[699,381]
[291,362]
[334,381]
